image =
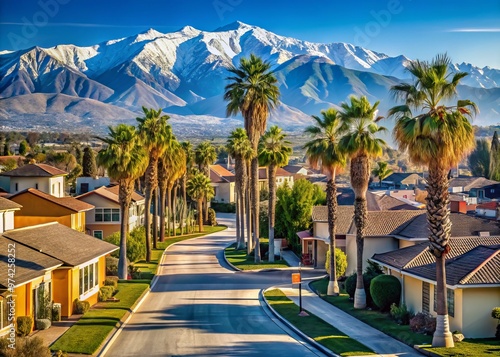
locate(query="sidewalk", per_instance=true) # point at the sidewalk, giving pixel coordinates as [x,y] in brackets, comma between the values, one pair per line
[290,258]
[378,341]
[57,329]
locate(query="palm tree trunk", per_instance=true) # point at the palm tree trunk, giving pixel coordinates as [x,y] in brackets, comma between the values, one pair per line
[331,198]
[249,222]
[169,209]
[125,194]
[155,217]
[438,216]
[151,184]
[184,197]
[255,208]
[238,229]
[174,198]
[200,215]
[360,176]
[272,208]
[163,190]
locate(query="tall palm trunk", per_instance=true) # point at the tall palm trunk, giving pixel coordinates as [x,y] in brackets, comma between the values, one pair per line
[438,216]
[125,194]
[163,191]
[331,198]
[184,197]
[238,229]
[272,208]
[254,181]
[200,215]
[169,209]
[174,209]
[239,171]
[155,217]
[360,175]
[151,183]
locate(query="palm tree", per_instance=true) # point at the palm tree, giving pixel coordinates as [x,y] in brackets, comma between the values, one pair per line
[204,156]
[438,136]
[323,150]
[360,144]
[155,136]
[381,171]
[253,92]
[125,160]
[274,152]
[188,151]
[240,148]
[199,188]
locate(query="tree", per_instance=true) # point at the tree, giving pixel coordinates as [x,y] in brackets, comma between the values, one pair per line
[125,160]
[494,167]
[479,159]
[155,136]
[381,171]
[204,156]
[23,147]
[189,155]
[89,166]
[199,188]
[274,152]
[360,144]
[439,136]
[323,151]
[253,92]
[240,148]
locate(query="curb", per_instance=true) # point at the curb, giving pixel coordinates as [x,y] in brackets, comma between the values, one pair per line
[114,335]
[425,352]
[227,261]
[309,340]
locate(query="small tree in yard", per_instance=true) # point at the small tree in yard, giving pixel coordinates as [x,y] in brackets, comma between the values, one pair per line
[495,313]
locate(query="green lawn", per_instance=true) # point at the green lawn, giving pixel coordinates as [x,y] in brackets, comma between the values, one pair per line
[148,270]
[91,330]
[241,260]
[376,319]
[314,327]
[469,347]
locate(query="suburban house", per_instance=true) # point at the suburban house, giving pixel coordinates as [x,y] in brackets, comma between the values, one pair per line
[223,182]
[87,184]
[43,177]
[104,219]
[408,180]
[58,262]
[488,210]
[297,170]
[282,177]
[472,281]
[39,207]
[476,189]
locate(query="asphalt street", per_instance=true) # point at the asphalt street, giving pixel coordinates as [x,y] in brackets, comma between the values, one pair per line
[200,307]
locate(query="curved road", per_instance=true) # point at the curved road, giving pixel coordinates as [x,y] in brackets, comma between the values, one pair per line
[200,308]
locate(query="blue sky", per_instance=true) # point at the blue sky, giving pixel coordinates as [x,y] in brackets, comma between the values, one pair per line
[468,31]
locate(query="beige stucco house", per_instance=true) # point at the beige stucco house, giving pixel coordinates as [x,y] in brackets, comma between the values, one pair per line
[472,281]
[104,219]
[43,177]
[223,182]
[282,177]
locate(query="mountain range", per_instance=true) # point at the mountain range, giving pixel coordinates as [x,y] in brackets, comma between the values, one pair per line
[68,87]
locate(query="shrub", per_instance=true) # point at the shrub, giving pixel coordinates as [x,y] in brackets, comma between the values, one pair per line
[495,313]
[42,324]
[401,314]
[24,325]
[340,262]
[81,307]
[212,221]
[105,293]
[135,272]
[350,287]
[223,207]
[136,249]
[111,281]
[56,312]
[25,346]
[385,290]
[423,323]
[111,266]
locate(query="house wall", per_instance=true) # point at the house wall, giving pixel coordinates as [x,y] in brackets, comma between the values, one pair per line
[482,212]
[322,248]
[6,221]
[224,192]
[477,304]
[406,243]
[61,281]
[371,246]
[28,221]
[320,229]
[52,185]
[107,229]
[92,182]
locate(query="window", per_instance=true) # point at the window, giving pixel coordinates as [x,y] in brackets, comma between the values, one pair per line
[53,188]
[84,187]
[97,234]
[88,278]
[36,186]
[450,300]
[107,215]
[17,186]
[425,297]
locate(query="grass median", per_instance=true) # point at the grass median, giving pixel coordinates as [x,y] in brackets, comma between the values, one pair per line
[314,327]
[88,333]
[240,259]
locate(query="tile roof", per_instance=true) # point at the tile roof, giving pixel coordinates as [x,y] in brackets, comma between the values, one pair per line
[419,254]
[8,205]
[383,223]
[481,265]
[68,202]
[344,217]
[61,242]
[111,193]
[470,182]
[219,174]
[488,205]
[30,264]
[386,203]
[279,172]
[462,225]
[400,176]
[293,169]
[34,170]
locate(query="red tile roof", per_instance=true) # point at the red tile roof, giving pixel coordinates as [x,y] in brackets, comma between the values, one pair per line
[34,170]
[219,174]
[70,203]
[8,205]
[488,205]
[111,193]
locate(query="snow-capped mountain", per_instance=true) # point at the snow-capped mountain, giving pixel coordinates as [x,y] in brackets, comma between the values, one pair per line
[185,72]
